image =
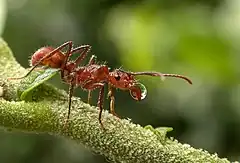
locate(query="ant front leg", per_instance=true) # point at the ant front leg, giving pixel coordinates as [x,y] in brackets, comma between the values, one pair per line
[69,44]
[112,100]
[70,94]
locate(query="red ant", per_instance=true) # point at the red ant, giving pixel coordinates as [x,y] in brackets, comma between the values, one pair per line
[55,58]
[92,75]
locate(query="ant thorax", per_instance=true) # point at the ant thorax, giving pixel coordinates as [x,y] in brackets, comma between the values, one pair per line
[91,74]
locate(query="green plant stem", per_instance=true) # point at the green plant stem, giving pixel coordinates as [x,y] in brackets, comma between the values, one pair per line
[121,141]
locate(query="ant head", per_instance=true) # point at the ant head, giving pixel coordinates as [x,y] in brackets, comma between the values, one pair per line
[39,54]
[126,81]
[121,79]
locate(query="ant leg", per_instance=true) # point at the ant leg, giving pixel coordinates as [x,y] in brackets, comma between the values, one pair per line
[112,101]
[91,86]
[92,60]
[100,105]
[16,78]
[69,44]
[71,88]
[84,49]
[70,94]
[68,53]
[89,96]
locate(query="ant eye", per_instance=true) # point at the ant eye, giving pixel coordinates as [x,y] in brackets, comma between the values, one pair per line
[138,92]
[117,78]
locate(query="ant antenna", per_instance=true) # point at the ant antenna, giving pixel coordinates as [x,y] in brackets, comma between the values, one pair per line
[178,76]
[16,78]
[151,73]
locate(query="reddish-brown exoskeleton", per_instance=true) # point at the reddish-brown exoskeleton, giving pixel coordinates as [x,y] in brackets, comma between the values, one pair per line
[125,80]
[92,75]
[55,58]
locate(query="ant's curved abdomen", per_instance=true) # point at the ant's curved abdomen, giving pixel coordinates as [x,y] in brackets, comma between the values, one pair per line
[54,61]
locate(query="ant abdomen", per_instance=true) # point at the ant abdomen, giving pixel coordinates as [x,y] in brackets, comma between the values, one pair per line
[54,61]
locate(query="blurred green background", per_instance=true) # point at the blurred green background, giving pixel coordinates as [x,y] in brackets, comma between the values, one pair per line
[199,39]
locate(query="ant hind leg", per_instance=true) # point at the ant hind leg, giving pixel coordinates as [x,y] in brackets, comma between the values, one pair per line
[91,86]
[100,105]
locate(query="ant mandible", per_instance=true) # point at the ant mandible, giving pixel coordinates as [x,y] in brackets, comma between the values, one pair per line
[92,75]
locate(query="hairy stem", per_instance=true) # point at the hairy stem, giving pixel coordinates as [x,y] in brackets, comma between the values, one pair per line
[122,141]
